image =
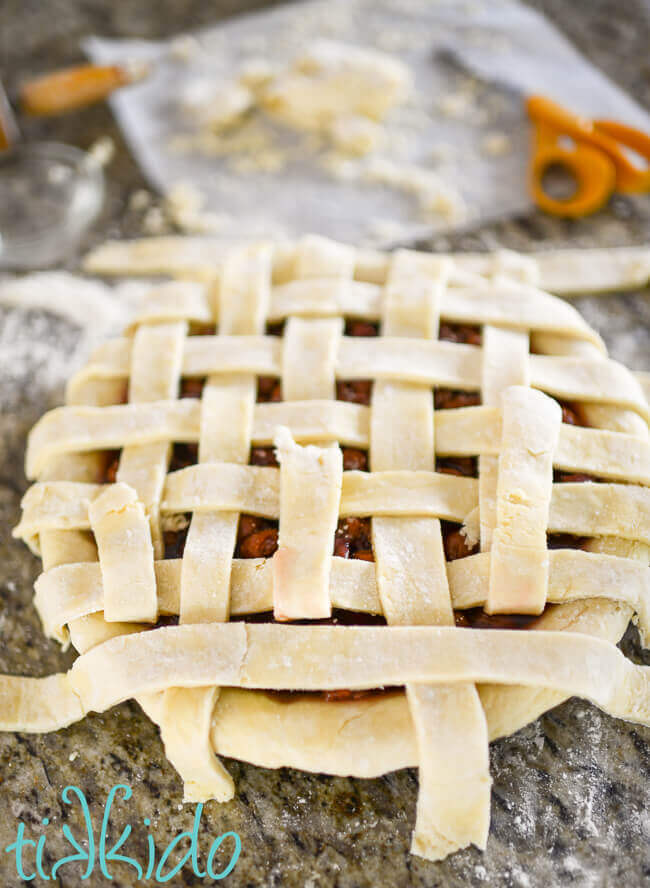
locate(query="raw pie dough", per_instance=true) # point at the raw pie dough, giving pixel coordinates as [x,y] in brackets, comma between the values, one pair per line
[204,680]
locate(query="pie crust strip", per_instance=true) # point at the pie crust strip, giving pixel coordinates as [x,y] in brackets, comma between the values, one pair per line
[519,563]
[584,509]
[563,271]
[311,476]
[185,717]
[508,305]
[453,808]
[310,492]
[505,363]
[435,363]
[70,591]
[123,536]
[374,736]
[154,376]
[467,431]
[326,657]
[226,421]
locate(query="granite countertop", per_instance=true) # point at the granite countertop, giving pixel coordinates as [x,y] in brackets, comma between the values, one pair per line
[571,792]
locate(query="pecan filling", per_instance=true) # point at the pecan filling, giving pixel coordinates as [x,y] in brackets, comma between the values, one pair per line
[361,328]
[353,459]
[341,696]
[174,540]
[183,455]
[466,466]
[263,456]
[451,399]
[192,388]
[572,414]
[111,467]
[352,539]
[256,537]
[565,541]
[476,618]
[455,543]
[197,328]
[468,334]
[356,391]
[571,477]
[269,388]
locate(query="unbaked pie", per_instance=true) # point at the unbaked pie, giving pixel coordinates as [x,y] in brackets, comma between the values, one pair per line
[346,515]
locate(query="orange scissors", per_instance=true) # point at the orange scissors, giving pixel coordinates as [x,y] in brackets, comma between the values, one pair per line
[592,151]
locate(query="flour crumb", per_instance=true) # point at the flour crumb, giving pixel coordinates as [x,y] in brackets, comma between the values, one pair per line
[183,206]
[331,79]
[154,221]
[353,134]
[140,199]
[496,144]
[435,196]
[101,152]
[256,73]
[331,91]
[387,231]
[457,105]
[215,106]
[184,48]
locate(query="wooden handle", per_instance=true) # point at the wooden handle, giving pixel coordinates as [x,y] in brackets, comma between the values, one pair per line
[76,87]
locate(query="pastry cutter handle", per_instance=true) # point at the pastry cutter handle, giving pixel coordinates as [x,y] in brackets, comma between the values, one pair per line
[71,88]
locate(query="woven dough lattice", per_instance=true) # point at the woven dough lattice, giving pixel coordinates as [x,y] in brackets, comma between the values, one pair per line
[192,566]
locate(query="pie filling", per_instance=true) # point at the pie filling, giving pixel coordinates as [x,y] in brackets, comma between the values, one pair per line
[258,537]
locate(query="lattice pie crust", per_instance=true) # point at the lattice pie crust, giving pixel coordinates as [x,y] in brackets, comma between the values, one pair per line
[210,681]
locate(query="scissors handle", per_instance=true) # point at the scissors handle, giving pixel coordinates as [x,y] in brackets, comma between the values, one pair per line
[593,157]
[630,179]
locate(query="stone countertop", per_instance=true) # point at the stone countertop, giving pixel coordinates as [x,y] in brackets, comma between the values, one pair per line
[571,791]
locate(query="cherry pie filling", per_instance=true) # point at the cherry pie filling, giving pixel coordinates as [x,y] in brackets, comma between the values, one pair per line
[258,537]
